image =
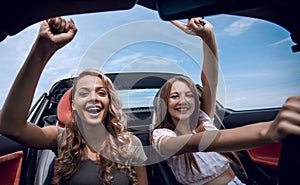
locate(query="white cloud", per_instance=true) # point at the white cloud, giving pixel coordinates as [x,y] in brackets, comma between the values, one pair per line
[116,64]
[239,27]
[288,39]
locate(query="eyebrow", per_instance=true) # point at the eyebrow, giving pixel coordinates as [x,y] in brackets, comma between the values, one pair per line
[89,88]
[176,92]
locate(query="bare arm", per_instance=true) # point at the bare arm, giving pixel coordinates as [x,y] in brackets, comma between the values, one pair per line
[22,91]
[251,136]
[209,74]
[141,175]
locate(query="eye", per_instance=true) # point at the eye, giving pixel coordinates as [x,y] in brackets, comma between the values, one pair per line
[189,94]
[83,93]
[174,96]
[102,92]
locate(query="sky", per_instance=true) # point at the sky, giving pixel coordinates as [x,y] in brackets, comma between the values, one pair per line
[257,67]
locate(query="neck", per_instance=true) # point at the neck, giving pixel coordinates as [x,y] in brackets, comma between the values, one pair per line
[92,155]
[182,126]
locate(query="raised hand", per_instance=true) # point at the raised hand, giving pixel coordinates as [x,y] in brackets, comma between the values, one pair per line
[56,32]
[195,26]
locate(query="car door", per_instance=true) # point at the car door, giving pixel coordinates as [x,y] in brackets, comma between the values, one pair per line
[11,161]
[260,164]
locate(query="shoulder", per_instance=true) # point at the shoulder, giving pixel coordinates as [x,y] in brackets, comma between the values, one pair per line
[135,140]
[138,154]
[56,133]
[61,135]
[60,130]
[163,131]
[158,134]
[157,137]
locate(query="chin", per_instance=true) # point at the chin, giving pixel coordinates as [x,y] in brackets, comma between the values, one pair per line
[93,121]
[183,117]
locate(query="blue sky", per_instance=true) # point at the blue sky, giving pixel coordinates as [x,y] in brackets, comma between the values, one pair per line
[257,66]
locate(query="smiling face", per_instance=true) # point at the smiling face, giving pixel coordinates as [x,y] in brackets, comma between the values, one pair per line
[181,102]
[91,100]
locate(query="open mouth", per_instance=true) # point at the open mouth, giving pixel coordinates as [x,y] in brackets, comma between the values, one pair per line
[182,109]
[93,110]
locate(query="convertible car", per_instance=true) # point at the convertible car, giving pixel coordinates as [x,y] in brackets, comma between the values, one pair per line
[268,165]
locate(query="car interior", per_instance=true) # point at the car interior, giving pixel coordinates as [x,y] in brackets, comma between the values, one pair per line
[29,166]
[53,108]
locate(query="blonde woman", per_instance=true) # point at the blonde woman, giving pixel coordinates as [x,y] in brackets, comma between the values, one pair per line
[106,155]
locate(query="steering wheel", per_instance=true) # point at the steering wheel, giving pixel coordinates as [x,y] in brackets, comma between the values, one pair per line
[289,161]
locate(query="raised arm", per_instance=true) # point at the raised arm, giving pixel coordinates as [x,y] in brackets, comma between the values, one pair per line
[53,35]
[251,136]
[209,74]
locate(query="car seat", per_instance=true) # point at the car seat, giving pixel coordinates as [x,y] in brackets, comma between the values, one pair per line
[64,109]
[46,161]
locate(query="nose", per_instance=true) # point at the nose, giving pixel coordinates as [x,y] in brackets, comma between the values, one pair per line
[182,99]
[93,97]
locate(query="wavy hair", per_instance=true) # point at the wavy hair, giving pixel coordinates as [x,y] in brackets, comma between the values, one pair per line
[74,148]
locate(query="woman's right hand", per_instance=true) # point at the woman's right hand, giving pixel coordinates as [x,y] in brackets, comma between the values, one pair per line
[56,32]
[53,34]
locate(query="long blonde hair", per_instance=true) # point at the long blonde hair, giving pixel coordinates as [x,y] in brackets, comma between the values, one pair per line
[73,150]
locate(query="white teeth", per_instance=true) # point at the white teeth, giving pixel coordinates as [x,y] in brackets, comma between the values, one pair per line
[93,110]
[182,109]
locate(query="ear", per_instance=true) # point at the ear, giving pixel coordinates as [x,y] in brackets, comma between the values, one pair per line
[73,106]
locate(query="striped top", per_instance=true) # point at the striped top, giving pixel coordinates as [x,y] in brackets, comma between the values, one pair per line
[211,164]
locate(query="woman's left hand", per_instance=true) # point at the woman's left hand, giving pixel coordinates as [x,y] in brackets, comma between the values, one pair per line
[195,26]
[287,121]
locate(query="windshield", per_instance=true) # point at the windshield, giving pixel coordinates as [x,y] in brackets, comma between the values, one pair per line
[137,98]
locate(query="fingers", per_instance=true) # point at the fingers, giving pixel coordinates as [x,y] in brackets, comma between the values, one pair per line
[291,111]
[72,25]
[195,26]
[194,22]
[288,119]
[197,23]
[57,32]
[294,103]
[59,25]
[178,24]
[72,29]
[183,27]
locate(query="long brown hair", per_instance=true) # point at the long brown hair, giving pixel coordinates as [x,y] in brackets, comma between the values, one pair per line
[163,117]
[73,150]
